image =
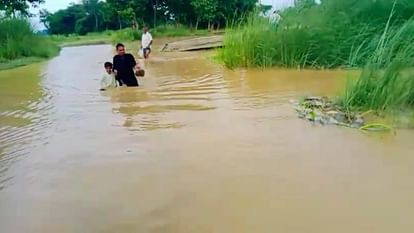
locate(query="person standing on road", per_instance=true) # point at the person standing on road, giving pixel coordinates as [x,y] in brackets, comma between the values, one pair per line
[125,67]
[146,43]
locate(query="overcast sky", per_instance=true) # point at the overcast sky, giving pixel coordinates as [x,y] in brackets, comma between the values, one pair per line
[54,5]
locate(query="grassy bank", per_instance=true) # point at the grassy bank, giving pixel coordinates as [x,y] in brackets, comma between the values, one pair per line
[337,34]
[20,62]
[261,43]
[124,35]
[130,34]
[19,44]
[78,40]
[334,34]
[387,80]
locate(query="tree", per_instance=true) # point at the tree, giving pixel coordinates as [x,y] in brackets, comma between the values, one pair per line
[65,21]
[230,11]
[92,7]
[98,15]
[44,16]
[129,10]
[11,7]
[205,10]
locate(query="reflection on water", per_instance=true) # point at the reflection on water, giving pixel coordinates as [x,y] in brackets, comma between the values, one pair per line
[197,148]
[23,113]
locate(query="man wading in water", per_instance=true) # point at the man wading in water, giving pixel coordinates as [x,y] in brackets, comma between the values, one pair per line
[125,67]
[146,42]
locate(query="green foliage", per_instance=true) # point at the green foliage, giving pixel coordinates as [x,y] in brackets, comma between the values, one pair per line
[130,34]
[132,11]
[90,16]
[11,7]
[17,40]
[334,34]
[205,9]
[127,34]
[94,15]
[170,30]
[91,38]
[387,80]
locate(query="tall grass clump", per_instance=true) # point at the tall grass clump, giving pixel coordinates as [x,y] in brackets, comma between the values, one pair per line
[333,34]
[252,43]
[258,42]
[387,80]
[18,40]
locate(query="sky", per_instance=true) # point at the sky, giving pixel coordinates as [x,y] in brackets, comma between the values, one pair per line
[278,3]
[54,5]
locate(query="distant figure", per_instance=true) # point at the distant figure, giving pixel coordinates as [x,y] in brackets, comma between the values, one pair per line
[146,42]
[108,80]
[275,17]
[125,67]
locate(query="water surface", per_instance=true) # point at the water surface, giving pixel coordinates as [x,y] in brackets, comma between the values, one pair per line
[197,148]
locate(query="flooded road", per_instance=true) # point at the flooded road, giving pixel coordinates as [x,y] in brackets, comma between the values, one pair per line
[197,148]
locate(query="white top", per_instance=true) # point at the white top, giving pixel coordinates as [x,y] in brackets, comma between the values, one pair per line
[275,18]
[146,40]
[108,81]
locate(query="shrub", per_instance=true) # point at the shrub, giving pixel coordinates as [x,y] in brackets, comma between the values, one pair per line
[18,40]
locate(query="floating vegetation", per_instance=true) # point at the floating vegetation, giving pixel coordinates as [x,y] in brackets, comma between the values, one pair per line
[376,127]
[323,111]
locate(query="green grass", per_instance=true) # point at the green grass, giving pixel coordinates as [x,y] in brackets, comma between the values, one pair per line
[315,44]
[334,34]
[88,39]
[17,40]
[387,80]
[130,34]
[377,38]
[20,62]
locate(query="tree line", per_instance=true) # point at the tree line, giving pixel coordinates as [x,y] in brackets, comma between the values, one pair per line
[96,15]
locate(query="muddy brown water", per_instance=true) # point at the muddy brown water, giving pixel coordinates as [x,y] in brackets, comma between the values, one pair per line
[197,148]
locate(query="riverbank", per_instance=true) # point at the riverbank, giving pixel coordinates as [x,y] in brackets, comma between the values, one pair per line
[81,40]
[20,45]
[317,37]
[108,37]
[20,62]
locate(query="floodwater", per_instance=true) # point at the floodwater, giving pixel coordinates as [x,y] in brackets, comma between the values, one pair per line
[197,148]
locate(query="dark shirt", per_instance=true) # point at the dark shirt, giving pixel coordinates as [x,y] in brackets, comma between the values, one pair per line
[124,65]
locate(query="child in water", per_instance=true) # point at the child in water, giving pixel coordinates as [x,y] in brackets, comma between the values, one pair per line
[108,79]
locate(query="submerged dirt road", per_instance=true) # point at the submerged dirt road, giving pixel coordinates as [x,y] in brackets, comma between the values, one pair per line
[196,149]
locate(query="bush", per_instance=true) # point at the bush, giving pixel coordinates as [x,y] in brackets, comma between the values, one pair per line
[127,34]
[18,40]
